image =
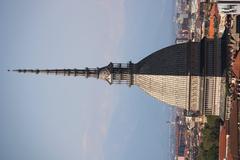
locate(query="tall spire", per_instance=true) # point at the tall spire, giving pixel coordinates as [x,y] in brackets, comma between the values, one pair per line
[113,73]
[65,72]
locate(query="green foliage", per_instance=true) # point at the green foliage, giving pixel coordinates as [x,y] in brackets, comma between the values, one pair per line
[209,147]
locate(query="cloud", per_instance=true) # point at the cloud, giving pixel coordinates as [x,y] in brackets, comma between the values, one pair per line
[99,119]
[97,127]
[91,147]
[115,11]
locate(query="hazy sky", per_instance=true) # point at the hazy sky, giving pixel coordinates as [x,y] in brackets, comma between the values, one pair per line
[73,118]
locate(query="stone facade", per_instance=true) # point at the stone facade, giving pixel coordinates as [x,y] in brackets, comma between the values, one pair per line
[172,90]
[172,75]
[186,75]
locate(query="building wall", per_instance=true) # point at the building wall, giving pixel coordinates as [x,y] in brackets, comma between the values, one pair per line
[195,93]
[186,75]
[173,90]
[229,6]
[212,76]
[172,75]
[168,61]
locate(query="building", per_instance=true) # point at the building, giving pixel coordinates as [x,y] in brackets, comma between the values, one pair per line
[181,140]
[229,6]
[186,75]
[181,158]
[183,36]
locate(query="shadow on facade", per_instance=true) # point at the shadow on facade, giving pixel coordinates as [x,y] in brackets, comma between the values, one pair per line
[192,58]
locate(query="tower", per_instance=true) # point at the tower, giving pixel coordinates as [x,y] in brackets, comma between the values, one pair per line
[114,73]
[186,75]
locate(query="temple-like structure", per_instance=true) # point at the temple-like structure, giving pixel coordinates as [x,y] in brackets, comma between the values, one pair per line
[185,75]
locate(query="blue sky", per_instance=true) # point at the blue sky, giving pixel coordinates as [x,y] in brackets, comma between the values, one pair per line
[62,118]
